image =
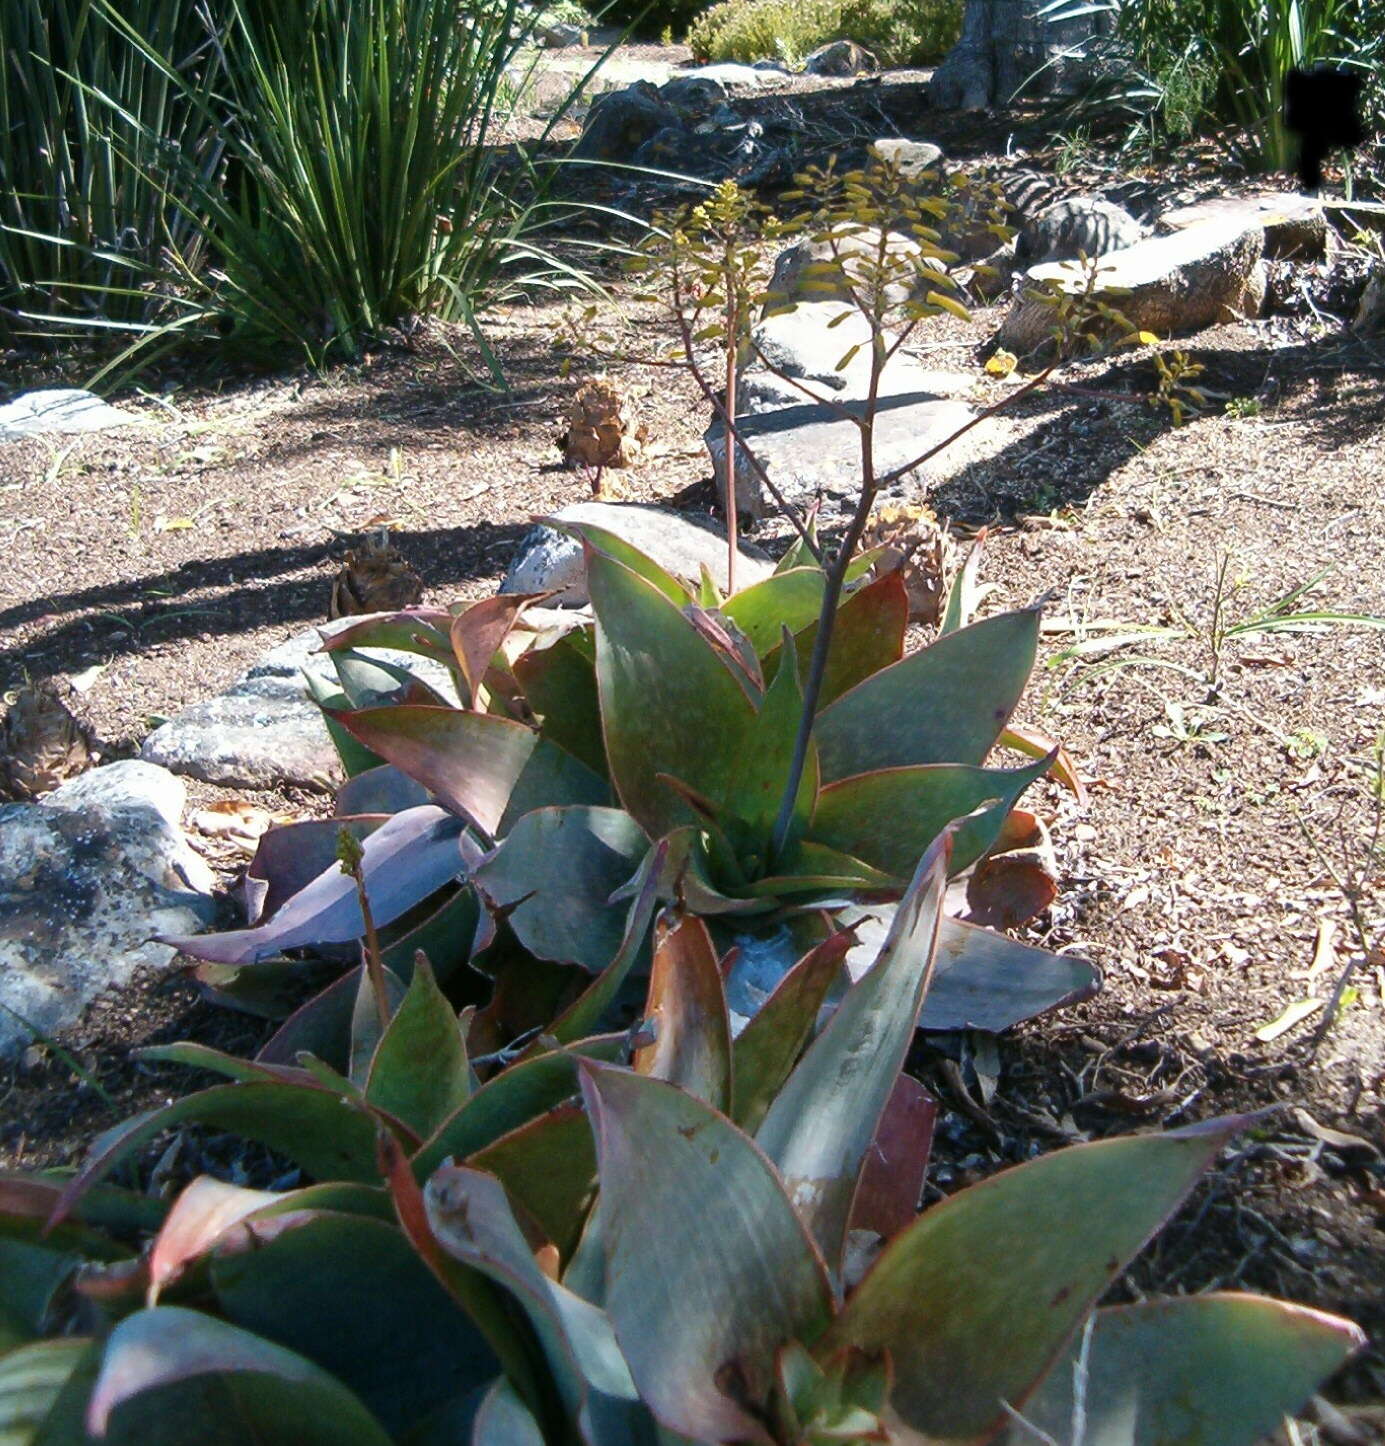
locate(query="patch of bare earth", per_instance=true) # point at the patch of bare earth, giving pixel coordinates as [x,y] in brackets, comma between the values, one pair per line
[1230,817]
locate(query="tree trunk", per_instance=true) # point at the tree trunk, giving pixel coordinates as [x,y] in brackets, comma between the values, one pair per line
[1007,44]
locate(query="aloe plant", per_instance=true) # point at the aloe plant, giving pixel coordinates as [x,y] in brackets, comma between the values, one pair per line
[703,1297]
[669,723]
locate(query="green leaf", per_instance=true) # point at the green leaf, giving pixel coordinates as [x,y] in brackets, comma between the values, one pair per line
[763,768]
[350,1294]
[888,818]
[419,1073]
[34,1380]
[943,704]
[553,778]
[626,554]
[1210,1370]
[553,877]
[709,1270]
[977,1298]
[515,1096]
[472,1220]
[470,761]
[584,1016]
[687,1015]
[966,593]
[789,599]
[171,1375]
[316,1129]
[559,683]
[766,1050]
[669,703]
[424,631]
[820,1125]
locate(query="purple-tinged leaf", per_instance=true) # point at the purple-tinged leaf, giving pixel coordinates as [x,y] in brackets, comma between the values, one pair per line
[1222,1368]
[469,761]
[198,1379]
[947,703]
[206,1210]
[407,858]
[1034,744]
[288,858]
[891,1183]
[553,876]
[381,790]
[976,1299]
[478,631]
[504,1420]
[822,1122]
[321,1027]
[686,1014]
[708,1269]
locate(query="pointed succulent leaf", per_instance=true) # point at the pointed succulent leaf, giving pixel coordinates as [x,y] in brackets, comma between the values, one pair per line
[40,1388]
[816,868]
[355,756]
[315,1128]
[444,935]
[421,630]
[548,1168]
[989,982]
[366,1032]
[1039,745]
[472,1220]
[177,1374]
[891,1182]
[478,631]
[1219,1368]
[670,704]
[504,1420]
[790,600]
[553,877]
[609,545]
[768,1047]
[370,682]
[288,858]
[686,1014]
[736,1276]
[205,1211]
[215,1061]
[349,1293]
[822,1122]
[966,594]
[321,1027]
[946,703]
[559,683]
[469,761]
[407,858]
[553,778]
[584,1015]
[512,1098]
[889,817]
[420,1072]
[975,1300]
[378,790]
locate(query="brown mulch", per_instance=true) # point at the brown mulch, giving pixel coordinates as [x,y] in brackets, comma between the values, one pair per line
[1230,810]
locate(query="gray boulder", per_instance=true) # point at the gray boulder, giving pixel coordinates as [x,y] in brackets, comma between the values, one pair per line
[265,730]
[813,451]
[1293,225]
[1084,224]
[911,158]
[841,58]
[88,877]
[58,410]
[1169,285]
[549,559]
[621,121]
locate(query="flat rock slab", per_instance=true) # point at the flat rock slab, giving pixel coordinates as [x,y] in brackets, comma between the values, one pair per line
[265,730]
[1197,277]
[87,878]
[548,559]
[812,450]
[60,410]
[1293,225]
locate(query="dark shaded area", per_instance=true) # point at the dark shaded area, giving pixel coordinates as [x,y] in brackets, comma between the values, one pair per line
[1322,107]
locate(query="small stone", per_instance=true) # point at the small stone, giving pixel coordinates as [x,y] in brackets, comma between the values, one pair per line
[560,35]
[693,95]
[913,159]
[620,122]
[549,559]
[1085,224]
[130,783]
